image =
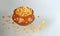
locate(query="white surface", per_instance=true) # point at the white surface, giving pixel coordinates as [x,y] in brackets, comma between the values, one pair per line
[48,9]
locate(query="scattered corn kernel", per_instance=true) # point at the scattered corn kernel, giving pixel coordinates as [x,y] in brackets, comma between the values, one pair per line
[12,22]
[33,26]
[39,17]
[3,16]
[9,16]
[42,25]
[25,29]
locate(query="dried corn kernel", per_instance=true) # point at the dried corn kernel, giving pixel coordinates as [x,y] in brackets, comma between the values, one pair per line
[42,25]
[12,22]
[22,11]
[9,16]
[39,17]
[32,30]
[3,16]
[25,29]
[33,26]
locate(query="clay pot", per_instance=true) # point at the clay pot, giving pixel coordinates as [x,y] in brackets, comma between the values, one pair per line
[23,20]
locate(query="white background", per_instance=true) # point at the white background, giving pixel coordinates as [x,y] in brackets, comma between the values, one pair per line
[49,10]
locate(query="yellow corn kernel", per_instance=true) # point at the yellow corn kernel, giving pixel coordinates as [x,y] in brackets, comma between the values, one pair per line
[25,29]
[42,25]
[12,22]
[9,16]
[33,26]
[21,10]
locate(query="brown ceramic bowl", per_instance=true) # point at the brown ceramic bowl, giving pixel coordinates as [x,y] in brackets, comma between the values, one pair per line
[23,16]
